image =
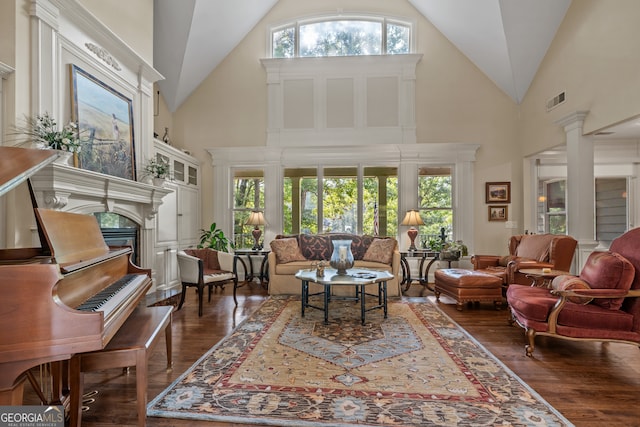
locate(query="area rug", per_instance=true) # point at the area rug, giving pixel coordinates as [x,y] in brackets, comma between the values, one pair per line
[415,368]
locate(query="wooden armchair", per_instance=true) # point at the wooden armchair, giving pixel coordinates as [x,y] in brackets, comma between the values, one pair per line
[205,267]
[528,251]
[601,304]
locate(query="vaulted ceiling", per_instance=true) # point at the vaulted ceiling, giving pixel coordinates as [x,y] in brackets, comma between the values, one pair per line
[506,39]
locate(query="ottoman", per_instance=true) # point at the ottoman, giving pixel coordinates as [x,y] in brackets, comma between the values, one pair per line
[468,286]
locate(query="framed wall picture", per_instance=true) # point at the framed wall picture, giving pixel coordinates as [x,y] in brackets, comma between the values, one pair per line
[498,192]
[105,123]
[498,213]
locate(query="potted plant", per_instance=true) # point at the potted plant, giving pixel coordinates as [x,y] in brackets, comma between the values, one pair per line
[158,170]
[43,131]
[214,238]
[452,251]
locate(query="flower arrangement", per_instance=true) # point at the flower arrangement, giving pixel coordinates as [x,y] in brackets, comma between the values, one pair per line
[157,168]
[43,130]
[453,250]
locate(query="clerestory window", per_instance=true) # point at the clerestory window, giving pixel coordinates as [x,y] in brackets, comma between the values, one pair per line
[340,36]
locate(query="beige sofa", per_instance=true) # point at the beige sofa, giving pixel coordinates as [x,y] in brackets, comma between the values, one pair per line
[289,254]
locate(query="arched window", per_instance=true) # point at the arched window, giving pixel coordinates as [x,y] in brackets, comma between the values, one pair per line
[341,36]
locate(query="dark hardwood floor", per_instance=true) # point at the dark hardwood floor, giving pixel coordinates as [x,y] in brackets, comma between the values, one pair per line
[591,384]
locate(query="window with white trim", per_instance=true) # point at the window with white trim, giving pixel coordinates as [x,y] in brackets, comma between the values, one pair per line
[341,36]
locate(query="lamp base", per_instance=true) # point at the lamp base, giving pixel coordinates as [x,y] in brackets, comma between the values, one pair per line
[256,233]
[412,233]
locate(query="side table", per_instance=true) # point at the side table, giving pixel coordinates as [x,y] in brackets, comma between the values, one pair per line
[249,274]
[539,274]
[423,273]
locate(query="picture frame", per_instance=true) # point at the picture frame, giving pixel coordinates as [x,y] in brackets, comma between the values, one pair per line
[498,192]
[498,213]
[105,125]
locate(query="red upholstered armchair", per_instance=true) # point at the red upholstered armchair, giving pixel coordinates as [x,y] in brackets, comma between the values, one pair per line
[601,304]
[528,251]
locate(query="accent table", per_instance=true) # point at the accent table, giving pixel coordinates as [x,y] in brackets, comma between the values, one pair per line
[356,277]
[423,279]
[539,273]
[263,275]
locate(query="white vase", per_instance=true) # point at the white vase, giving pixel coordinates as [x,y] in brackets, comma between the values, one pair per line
[64,158]
[158,182]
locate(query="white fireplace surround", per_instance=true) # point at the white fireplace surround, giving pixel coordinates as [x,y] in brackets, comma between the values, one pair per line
[70,189]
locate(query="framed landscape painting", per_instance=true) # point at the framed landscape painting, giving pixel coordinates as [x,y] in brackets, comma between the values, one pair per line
[105,124]
[498,192]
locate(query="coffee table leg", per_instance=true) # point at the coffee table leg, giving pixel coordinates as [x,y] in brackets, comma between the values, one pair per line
[362,303]
[327,289]
[384,298]
[305,295]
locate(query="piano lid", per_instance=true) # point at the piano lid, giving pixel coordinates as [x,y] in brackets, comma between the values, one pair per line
[17,164]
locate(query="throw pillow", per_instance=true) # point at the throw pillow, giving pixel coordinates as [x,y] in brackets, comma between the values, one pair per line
[569,283]
[287,250]
[608,270]
[315,247]
[209,257]
[535,247]
[380,250]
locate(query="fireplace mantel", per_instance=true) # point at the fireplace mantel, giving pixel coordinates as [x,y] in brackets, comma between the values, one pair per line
[71,189]
[66,188]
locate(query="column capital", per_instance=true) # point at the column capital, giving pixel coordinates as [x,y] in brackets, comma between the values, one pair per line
[572,121]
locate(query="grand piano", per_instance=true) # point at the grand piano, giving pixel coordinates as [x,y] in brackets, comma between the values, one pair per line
[69,296]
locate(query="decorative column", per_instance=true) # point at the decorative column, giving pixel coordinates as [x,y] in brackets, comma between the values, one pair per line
[580,186]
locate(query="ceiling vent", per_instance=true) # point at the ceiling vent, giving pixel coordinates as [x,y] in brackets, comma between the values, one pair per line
[556,100]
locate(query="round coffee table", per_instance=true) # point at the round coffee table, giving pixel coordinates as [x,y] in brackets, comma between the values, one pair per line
[546,276]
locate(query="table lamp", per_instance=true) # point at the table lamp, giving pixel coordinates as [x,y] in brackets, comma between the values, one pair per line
[412,218]
[256,218]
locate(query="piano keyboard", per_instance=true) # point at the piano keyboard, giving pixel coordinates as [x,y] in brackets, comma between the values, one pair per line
[110,297]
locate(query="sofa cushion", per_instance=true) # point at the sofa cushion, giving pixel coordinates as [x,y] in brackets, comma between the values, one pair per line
[380,250]
[608,270]
[568,283]
[315,246]
[287,250]
[535,247]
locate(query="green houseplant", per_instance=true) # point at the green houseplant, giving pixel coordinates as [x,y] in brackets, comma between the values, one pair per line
[214,238]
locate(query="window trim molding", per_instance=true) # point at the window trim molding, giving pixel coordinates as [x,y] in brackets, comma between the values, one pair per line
[407,158]
[340,16]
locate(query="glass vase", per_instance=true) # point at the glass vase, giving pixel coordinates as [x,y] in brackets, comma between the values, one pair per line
[342,257]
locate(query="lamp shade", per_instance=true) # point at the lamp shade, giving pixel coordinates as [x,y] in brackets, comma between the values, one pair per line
[256,218]
[412,218]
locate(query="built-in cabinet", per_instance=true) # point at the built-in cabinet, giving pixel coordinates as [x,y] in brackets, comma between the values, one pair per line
[178,218]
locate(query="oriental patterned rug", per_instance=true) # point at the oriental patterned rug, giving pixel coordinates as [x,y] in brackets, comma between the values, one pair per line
[415,368]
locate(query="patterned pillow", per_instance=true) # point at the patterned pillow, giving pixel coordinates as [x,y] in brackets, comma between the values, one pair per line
[315,246]
[380,250]
[568,283]
[209,257]
[287,250]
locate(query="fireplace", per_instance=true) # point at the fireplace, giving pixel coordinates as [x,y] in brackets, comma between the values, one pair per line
[118,230]
[125,209]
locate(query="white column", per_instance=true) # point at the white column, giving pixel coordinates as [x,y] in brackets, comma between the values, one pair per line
[580,186]
[407,197]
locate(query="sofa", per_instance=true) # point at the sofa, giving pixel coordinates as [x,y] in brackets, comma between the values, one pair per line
[291,253]
[528,251]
